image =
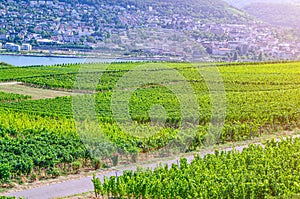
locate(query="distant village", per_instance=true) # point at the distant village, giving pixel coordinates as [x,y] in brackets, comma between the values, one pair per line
[251,40]
[53,25]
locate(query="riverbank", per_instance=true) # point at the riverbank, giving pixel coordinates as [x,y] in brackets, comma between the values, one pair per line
[89,56]
[45,60]
[29,60]
[46,55]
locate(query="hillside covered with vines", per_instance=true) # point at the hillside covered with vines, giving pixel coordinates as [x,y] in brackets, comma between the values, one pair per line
[41,138]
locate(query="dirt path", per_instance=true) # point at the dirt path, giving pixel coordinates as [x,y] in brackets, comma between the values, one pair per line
[35,93]
[9,83]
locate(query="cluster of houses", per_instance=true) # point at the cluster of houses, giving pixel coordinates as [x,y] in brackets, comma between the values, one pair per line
[249,39]
[58,22]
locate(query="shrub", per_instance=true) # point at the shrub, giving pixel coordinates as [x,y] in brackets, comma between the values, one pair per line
[5,173]
[76,166]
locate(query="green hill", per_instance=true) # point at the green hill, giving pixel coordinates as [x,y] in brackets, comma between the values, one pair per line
[203,10]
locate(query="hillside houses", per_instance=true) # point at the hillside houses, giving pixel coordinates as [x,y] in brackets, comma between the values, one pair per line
[37,21]
[251,39]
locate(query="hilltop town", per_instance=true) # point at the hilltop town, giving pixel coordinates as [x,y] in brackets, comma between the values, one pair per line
[128,30]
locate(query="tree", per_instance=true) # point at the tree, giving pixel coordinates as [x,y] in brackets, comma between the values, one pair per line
[18,39]
[235,56]
[34,42]
[261,56]
[82,39]
[2,31]
[91,39]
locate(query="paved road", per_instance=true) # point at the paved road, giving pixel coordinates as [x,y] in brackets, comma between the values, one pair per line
[82,185]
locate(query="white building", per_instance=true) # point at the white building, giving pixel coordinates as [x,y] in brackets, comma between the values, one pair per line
[4,37]
[15,48]
[50,3]
[8,45]
[12,47]
[284,47]
[33,3]
[26,47]
[45,41]
[221,51]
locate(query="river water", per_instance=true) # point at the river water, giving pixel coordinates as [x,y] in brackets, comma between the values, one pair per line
[17,60]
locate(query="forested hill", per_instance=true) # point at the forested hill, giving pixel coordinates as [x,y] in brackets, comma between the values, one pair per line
[215,11]
[107,15]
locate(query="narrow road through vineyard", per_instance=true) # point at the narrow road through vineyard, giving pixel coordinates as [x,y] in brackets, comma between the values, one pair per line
[77,186]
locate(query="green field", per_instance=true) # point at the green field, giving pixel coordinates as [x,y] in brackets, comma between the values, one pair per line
[43,138]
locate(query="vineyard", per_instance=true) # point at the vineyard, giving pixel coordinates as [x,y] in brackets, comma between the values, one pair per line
[11,97]
[41,139]
[256,172]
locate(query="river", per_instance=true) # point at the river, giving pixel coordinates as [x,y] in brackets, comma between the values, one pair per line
[21,60]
